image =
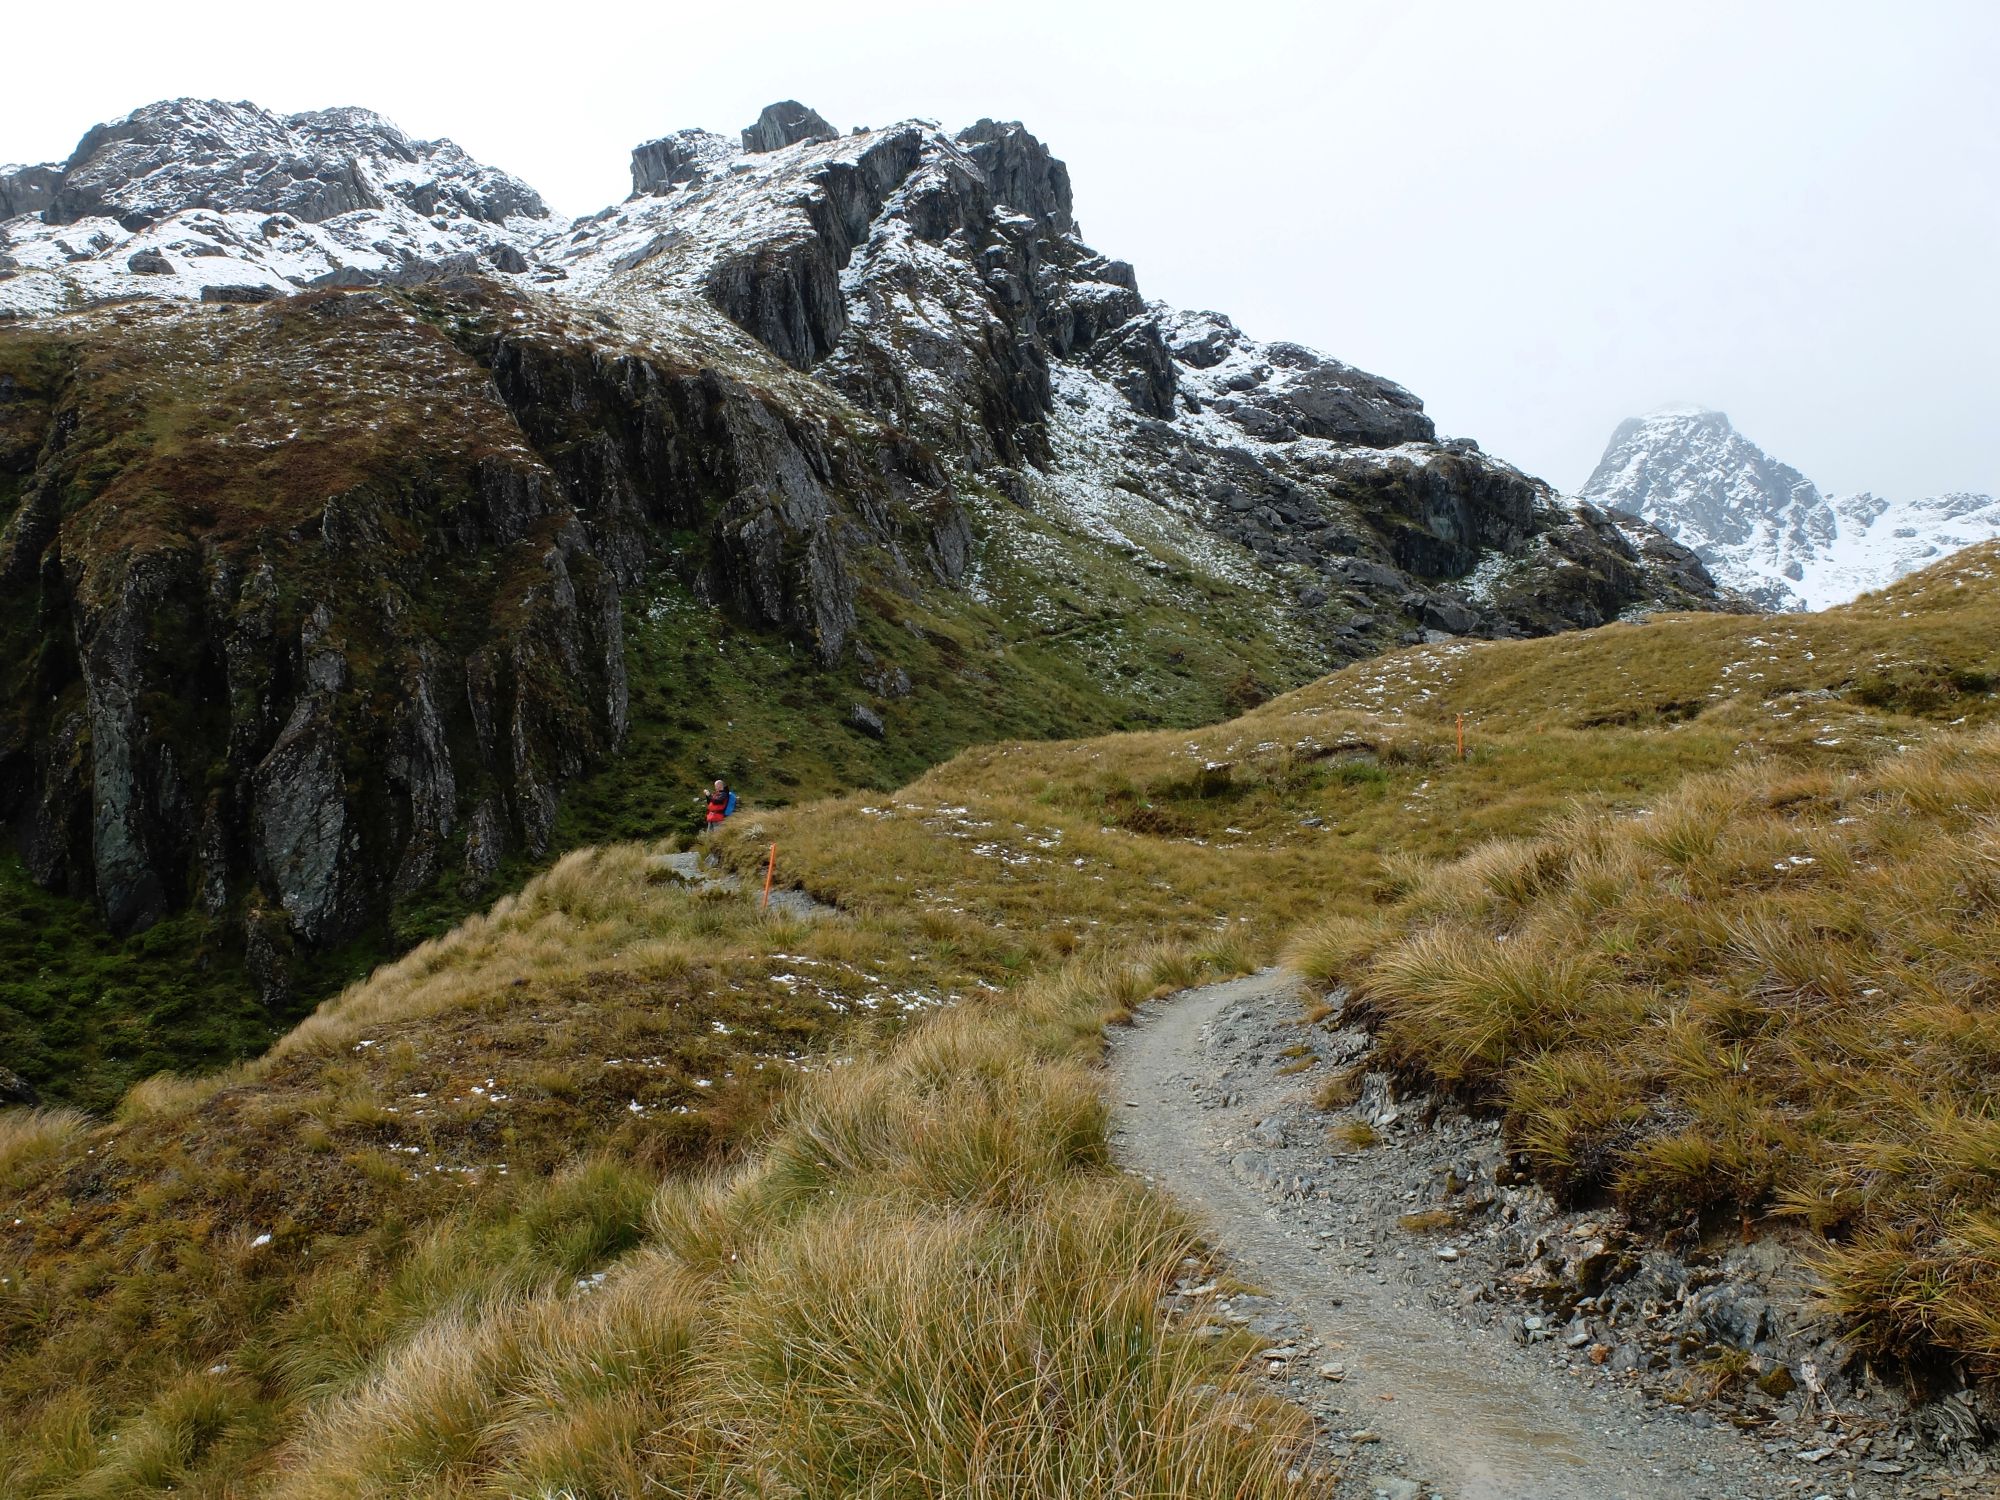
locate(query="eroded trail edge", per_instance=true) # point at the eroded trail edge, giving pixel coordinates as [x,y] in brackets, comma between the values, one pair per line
[1423,1404]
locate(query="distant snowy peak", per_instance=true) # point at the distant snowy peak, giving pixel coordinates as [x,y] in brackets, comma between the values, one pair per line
[1689,466]
[191,194]
[1761,526]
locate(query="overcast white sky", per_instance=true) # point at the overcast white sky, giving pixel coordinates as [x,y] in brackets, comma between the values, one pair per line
[1541,217]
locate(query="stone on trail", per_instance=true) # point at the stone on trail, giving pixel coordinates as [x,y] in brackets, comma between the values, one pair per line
[1391,1487]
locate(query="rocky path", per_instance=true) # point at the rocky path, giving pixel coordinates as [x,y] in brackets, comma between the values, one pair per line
[1426,1379]
[792,902]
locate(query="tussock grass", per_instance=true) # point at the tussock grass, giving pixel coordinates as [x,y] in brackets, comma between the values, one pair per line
[539,1395]
[1790,1005]
[30,1136]
[1356,1135]
[1768,986]
[412,1331]
[927,1283]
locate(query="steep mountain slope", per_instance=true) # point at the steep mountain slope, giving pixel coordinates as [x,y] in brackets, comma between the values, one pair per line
[1762,527]
[815,460]
[443,1239]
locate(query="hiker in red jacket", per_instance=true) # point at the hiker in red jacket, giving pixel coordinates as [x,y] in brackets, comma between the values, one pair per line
[721,802]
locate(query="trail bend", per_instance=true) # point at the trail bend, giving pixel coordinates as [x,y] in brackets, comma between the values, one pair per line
[1454,1409]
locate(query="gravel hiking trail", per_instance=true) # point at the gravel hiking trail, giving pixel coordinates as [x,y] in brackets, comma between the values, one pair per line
[1410,1402]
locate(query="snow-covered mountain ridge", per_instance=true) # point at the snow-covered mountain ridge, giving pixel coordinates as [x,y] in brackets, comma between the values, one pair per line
[199,196]
[934,279]
[1761,526]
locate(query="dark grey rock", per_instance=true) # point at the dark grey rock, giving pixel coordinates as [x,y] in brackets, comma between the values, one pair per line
[865,719]
[268,954]
[242,294]
[890,682]
[28,190]
[341,277]
[505,257]
[674,159]
[1733,1315]
[306,835]
[1021,174]
[485,842]
[149,263]
[786,291]
[14,1089]
[783,124]
[1448,615]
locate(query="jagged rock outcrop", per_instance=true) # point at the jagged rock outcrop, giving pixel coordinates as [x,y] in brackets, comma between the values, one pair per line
[786,123]
[938,280]
[646,446]
[257,688]
[28,190]
[674,159]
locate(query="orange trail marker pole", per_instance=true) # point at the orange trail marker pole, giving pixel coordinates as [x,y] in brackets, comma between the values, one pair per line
[1461,736]
[770,869]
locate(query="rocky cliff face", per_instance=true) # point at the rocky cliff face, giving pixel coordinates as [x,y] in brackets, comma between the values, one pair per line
[938,281]
[301,660]
[308,604]
[1761,526]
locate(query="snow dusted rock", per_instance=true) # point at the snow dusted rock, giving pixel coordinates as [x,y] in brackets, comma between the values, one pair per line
[1880,540]
[1020,172]
[1754,520]
[432,177]
[28,190]
[786,123]
[187,153]
[1283,391]
[1762,527]
[938,281]
[230,194]
[677,158]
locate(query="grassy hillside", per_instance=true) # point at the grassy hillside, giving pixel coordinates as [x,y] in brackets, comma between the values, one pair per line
[211,475]
[623,1183]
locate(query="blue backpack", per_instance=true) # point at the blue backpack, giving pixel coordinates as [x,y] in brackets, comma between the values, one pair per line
[729,806]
